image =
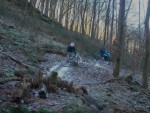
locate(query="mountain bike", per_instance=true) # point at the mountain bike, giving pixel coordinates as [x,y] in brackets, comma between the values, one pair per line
[73,60]
[102,60]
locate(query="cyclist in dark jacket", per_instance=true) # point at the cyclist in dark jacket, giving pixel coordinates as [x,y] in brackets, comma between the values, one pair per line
[71,50]
[102,52]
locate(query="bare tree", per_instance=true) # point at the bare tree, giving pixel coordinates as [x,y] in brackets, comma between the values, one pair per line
[100,7]
[93,19]
[107,23]
[33,2]
[83,10]
[120,38]
[147,48]
[61,11]
[112,22]
[42,6]
[73,16]
[47,7]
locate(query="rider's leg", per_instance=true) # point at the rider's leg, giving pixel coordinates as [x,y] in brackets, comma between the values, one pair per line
[69,54]
[105,58]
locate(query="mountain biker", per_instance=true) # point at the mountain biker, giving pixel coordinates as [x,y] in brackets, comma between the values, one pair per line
[102,52]
[71,50]
[106,55]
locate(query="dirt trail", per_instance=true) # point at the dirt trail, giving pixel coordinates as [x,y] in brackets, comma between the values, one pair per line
[93,78]
[93,73]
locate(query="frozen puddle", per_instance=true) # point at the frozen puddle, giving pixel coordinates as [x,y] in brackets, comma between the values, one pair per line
[63,72]
[98,65]
[54,68]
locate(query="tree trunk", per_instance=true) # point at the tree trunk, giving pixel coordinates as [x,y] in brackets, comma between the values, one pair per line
[33,2]
[67,17]
[93,20]
[54,3]
[107,23]
[86,22]
[112,23]
[97,25]
[47,7]
[147,48]
[83,10]
[73,17]
[42,6]
[120,38]
[139,24]
[61,11]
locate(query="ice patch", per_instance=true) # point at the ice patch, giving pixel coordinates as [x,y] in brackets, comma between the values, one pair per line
[63,71]
[54,68]
[98,65]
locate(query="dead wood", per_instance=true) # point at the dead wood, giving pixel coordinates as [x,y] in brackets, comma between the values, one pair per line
[18,62]
[3,81]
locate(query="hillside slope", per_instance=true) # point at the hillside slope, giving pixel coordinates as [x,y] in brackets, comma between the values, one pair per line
[30,42]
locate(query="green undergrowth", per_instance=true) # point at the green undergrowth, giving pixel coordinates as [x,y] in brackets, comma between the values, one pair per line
[26,110]
[74,108]
[70,108]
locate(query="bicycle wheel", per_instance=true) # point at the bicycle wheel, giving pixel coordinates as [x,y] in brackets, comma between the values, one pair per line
[66,63]
[102,60]
[79,61]
[110,63]
[82,64]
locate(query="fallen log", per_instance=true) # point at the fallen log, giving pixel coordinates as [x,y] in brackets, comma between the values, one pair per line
[3,81]
[19,62]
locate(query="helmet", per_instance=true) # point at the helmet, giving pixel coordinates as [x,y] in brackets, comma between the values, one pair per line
[72,44]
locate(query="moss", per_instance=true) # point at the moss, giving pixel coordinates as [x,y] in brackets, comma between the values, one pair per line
[46,111]
[74,108]
[19,110]
[53,78]
[26,110]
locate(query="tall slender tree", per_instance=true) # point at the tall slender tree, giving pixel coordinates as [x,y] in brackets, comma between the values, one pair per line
[93,19]
[120,38]
[106,31]
[112,22]
[147,48]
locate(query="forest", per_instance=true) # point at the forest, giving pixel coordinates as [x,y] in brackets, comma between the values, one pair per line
[39,74]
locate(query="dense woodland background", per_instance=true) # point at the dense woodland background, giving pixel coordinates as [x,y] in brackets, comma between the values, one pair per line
[105,21]
[34,35]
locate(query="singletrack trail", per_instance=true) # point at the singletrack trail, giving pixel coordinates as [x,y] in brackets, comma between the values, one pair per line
[95,78]
[94,73]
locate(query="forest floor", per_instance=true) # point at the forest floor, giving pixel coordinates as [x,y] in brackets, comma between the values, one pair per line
[27,50]
[105,93]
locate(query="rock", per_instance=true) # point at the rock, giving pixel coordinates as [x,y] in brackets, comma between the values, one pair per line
[19,74]
[43,91]
[129,79]
[43,94]
[18,100]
